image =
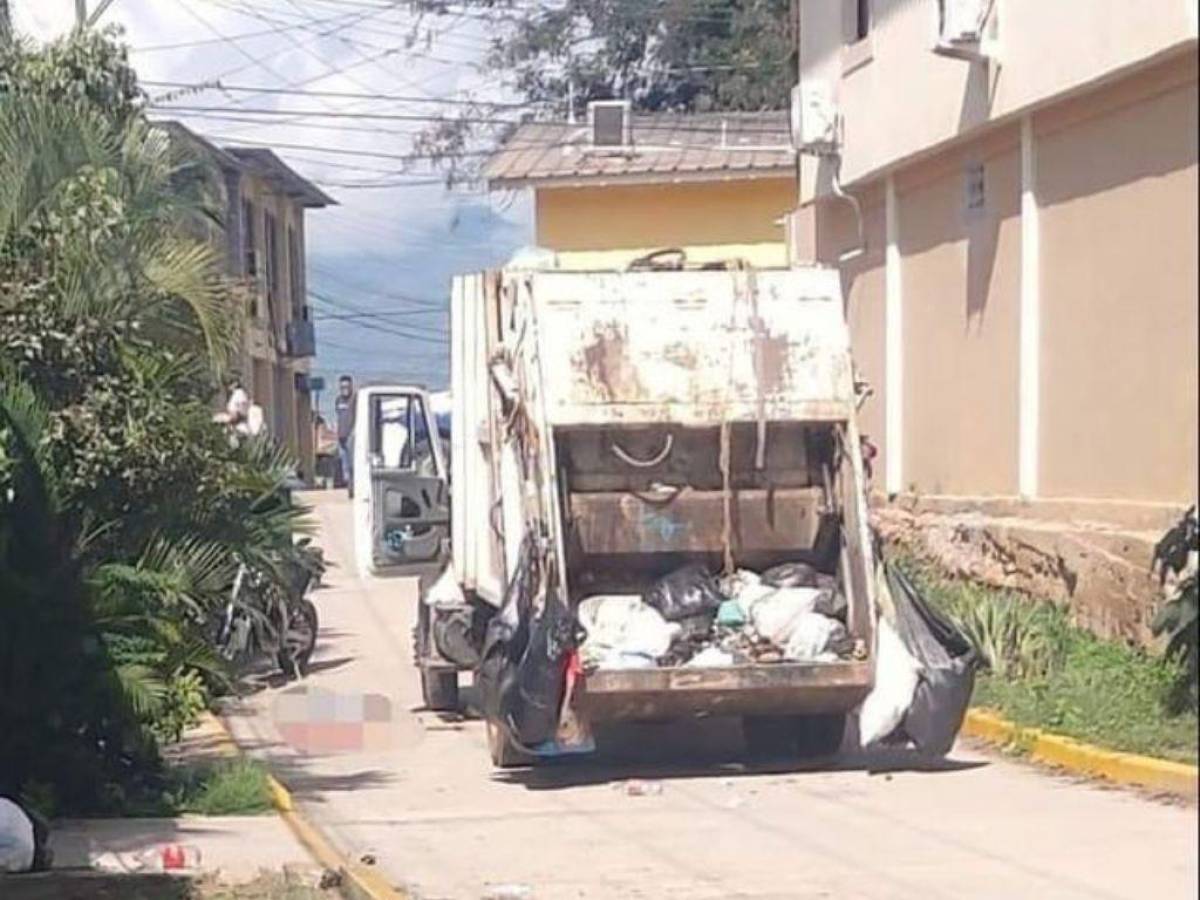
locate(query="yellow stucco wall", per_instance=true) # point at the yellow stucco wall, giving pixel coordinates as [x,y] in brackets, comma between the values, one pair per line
[607,226]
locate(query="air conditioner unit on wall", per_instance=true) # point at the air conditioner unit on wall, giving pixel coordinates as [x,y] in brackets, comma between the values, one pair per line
[609,122]
[815,123]
[961,27]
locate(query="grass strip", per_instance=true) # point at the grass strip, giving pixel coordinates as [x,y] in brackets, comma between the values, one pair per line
[1045,672]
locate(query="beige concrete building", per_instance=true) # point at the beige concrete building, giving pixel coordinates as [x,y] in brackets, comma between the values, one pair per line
[1023,292]
[263,203]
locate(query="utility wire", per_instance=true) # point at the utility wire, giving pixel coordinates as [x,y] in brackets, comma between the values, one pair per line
[219,85]
[741,129]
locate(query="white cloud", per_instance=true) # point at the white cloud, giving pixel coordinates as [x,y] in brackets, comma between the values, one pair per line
[378,243]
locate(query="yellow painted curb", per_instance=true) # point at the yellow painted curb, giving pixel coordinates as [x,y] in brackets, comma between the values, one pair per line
[1085,759]
[358,882]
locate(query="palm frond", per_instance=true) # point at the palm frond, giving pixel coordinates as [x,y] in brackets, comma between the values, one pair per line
[142,687]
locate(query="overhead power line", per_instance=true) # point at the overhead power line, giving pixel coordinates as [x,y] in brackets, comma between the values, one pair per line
[218,85]
[742,129]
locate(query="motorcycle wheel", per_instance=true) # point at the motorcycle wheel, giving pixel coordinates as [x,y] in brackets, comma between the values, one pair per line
[299,640]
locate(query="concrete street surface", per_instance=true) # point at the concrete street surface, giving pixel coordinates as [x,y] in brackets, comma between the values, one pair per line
[672,810]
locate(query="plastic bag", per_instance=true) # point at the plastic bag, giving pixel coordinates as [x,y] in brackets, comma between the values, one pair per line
[733,585]
[896,676]
[710,657]
[947,664]
[793,574]
[16,838]
[776,615]
[507,636]
[815,638]
[620,625]
[533,707]
[731,614]
[688,591]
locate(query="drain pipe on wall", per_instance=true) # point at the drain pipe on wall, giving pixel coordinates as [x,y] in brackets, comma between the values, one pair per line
[838,191]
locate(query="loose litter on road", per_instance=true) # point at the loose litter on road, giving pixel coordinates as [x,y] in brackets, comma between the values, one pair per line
[507,892]
[637,787]
[179,858]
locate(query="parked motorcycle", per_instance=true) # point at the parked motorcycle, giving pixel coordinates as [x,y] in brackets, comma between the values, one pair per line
[256,622]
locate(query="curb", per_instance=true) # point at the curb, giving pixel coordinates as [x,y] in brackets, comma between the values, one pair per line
[1080,758]
[357,882]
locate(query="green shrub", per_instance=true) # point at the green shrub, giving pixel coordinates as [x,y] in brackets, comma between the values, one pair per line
[234,788]
[1044,672]
[1178,619]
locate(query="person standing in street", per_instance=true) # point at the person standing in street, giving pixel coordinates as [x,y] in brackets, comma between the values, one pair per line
[343,406]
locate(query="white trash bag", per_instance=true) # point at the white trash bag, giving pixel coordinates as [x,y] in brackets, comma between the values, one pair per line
[710,657]
[17,846]
[622,629]
[775,615]
[896,675]
[813,638]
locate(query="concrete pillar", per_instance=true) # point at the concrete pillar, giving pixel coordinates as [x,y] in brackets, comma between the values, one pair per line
[1029,382]
[893,348]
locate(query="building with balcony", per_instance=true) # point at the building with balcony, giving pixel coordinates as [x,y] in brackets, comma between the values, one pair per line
[263,203]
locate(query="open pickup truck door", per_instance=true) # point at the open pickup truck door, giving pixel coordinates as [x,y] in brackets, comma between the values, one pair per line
[401,488]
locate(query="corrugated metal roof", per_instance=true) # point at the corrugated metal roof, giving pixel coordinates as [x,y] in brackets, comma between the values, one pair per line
[267,164]
[672,145]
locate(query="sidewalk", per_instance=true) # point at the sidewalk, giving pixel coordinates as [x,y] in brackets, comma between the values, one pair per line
[231,849]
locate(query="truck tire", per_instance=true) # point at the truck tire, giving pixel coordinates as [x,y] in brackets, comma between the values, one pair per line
[505,754]
[439,689]
[819,737]
[769,737]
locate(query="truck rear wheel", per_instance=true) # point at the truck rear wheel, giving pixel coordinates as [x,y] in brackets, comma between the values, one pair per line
[439,689]
[818,737]
[505,754]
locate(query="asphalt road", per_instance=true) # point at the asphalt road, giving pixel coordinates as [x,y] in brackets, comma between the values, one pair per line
[417,792]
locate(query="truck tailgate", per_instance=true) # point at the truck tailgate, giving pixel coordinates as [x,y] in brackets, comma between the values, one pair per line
[767,689]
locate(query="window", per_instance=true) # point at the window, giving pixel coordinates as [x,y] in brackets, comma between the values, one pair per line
[295,274]
[862,19]
[250,251]
[271,259]
[399,436]
[249,238]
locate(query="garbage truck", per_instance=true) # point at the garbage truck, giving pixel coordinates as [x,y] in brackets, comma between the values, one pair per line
[642,464]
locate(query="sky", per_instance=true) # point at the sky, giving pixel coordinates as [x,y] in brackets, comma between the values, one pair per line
[397,235]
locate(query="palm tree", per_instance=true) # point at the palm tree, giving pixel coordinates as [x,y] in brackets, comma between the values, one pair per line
[100,214]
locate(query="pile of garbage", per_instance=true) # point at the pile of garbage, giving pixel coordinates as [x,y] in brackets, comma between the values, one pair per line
[789,613]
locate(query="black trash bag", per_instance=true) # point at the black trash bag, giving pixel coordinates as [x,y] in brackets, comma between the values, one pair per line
[534,697]
[697,628]
[948,664]
[522,667]
[507,636]
[790,575]
[688,591]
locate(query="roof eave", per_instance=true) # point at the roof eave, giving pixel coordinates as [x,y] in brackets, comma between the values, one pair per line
[680,177]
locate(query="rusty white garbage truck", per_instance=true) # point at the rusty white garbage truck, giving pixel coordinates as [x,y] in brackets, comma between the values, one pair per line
[615,430]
